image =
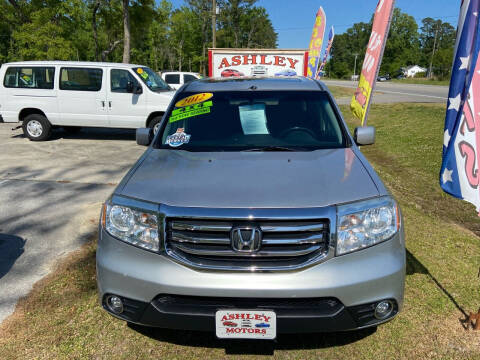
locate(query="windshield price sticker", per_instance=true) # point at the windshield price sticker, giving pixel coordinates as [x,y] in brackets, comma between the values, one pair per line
[179,138]
[190,111]
[194,99]
[245,324]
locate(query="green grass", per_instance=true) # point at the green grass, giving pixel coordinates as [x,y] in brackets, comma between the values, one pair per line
[341,91]
[422,81]
[61,319]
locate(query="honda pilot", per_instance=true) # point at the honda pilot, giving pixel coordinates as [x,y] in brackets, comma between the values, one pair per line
[252,213]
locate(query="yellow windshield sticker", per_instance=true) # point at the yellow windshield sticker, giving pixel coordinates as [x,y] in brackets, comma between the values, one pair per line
[139,70]
[190,111]
[194,99]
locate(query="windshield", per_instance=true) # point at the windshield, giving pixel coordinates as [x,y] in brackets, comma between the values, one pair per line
[252,121]
[151,79]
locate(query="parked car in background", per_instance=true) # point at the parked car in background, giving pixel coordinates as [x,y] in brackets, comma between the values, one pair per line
[252,204]
[177,78]
[385,77]
[287,72]
[46,94]
[259,70]
[231,72]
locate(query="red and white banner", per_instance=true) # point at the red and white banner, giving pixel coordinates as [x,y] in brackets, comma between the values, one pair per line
[373,58]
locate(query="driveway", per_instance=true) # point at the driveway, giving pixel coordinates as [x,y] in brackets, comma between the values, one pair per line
[394,92]
[50,197]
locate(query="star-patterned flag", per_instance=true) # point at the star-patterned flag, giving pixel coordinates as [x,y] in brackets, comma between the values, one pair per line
[460,171]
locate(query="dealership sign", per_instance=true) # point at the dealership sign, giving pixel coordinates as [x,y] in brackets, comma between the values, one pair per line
[262,62]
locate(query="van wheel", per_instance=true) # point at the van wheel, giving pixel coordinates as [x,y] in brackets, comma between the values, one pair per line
[72,129]
[36,127]
[155,124]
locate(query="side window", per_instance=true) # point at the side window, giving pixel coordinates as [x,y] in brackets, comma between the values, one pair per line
[172,78]
[119,80]
[187,78]
[29,77]
[81,79]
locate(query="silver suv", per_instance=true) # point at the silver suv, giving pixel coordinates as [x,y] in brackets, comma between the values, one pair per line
[252,213]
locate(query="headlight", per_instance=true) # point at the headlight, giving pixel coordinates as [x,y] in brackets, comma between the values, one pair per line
[133,226]
[366,223]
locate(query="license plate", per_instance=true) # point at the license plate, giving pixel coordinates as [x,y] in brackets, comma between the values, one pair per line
[245,324]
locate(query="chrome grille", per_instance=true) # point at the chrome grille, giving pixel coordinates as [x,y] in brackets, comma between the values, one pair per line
[285,244]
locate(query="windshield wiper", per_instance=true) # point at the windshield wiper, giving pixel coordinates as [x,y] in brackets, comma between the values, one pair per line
[274,148]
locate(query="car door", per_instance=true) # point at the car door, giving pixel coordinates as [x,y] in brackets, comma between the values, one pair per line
[125,109]
[82,96]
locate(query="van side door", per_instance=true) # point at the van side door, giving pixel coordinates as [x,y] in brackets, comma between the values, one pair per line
[125,108]
[82,99]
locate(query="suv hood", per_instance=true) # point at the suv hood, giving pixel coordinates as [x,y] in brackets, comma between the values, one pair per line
[250,179]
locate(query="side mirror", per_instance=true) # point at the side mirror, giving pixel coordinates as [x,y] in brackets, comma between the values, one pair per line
[138,89]
[130,87]
[144,136]
[364,135]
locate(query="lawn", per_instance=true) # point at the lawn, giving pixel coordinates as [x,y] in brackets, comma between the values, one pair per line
[61,318]
[422,81]
[341,91]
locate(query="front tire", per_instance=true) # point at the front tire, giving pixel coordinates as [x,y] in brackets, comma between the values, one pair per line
[36,127]
[155,124]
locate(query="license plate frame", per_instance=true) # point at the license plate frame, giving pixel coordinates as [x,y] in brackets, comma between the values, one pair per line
[246,324]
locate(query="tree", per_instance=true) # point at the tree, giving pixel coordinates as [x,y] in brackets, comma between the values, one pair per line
[126,32]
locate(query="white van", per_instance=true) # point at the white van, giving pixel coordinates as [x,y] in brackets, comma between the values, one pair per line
[72,95]
[177,78]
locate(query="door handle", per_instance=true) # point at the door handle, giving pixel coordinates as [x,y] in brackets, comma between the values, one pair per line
[110,104]
[103,103]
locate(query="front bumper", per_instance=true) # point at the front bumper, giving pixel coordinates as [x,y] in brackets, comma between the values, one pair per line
[355,281]
[305,315]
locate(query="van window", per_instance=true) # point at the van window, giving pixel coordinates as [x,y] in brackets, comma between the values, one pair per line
[172,79]
[187,78]
[29,77]
[119,80]
[81,79]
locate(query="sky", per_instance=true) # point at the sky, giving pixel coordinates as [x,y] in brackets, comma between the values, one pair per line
[293,20]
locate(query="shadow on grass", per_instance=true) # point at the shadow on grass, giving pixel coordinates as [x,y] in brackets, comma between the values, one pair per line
[416,267]
[254,347]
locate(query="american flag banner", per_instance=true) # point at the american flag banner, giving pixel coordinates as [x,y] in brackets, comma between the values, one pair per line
[460,171]
[331,36]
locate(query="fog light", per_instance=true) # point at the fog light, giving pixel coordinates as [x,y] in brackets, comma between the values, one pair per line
[383,309]
[115,304]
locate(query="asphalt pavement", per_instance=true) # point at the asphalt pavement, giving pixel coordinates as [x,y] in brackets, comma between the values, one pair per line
[396,92]
[50,199]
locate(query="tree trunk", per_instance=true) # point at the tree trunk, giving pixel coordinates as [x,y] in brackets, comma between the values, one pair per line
[113,45]
[96,6]
[126,32]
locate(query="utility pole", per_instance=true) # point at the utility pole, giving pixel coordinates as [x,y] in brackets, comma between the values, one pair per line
[214,23]
[433,53]
[355,67]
